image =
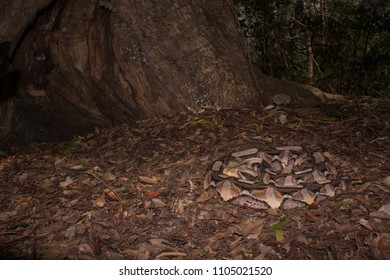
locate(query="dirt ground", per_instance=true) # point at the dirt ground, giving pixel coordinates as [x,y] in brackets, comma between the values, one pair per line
[136,192]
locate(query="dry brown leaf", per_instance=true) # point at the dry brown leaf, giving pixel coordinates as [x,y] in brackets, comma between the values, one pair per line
[77,167]
[171,255]
[311,215]
[152,194]
[192,186]
[4,216]
[366,224]
[108,176]
[227,190]
[111,194]
[250,228]
[235,243]
[386,181]
[207,180]
[179,204]
[25,201]
[70,192]
[215,237]
[147,180]
[100,202]
[68,181]
[204,196]
[158,203]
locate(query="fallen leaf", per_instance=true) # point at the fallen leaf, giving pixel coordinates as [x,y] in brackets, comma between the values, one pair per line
[25,201]
[147,180]
[227,190]
[68,181]
[366,224]
[386,181]
[152,193]
[158,203]
[204,196]
[311,215]
[249,228]
[283,119]
[111,194]
[101,201]
[171,254]
[215,237]
[108,176]
[6,215]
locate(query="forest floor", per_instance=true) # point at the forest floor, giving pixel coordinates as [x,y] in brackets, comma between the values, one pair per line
[136,192]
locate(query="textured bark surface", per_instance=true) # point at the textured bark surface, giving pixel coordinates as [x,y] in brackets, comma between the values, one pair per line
[94,63]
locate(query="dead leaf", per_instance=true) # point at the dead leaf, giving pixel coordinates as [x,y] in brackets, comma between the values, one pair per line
[250,228]
[111,194]
[204,196]
[215,237]
[192,186]
[282,119]
[70,231]
[227,190]
[4,216]
[77,167]
[68,181]
[366,224]
[207,181]
[158,203]
[108,176]
[152,193]
[147,180]
[311,215]
[386,181]
[101,201]
[25,201]
[171,255]
[235,243]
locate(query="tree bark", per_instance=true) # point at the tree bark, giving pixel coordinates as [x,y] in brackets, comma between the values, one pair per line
[94,63]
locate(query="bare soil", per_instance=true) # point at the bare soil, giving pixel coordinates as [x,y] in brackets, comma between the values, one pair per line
[136,192]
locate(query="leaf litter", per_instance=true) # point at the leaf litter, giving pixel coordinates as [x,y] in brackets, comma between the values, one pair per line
[140,192]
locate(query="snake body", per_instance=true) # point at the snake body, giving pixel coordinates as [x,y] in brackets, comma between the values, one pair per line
[282,177]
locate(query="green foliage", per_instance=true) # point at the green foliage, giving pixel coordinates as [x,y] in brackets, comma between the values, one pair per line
[349,41]
[72,147]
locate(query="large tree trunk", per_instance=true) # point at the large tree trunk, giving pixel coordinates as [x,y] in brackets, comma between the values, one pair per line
[93,63]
